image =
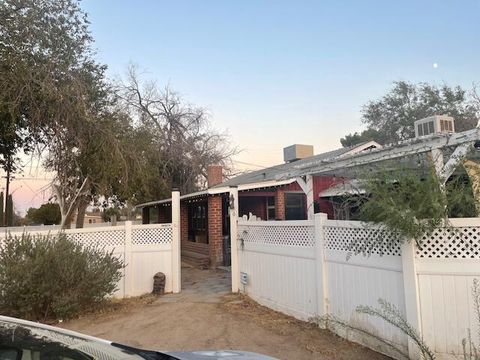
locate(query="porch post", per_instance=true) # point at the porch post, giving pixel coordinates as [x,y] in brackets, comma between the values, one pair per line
[320,265]
[233,212]
[307,187]
[176,226]
[310,197]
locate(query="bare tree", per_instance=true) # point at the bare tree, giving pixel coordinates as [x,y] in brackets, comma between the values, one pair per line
[185,143]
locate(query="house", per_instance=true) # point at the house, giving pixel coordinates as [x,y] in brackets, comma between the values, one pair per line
[90,218]
[205,229]
[304,184]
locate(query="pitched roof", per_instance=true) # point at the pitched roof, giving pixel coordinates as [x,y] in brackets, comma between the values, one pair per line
[270,173]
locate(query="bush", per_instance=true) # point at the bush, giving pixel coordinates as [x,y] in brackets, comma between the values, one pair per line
[51,277]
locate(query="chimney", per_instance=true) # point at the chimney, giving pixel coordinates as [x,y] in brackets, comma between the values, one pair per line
[297,152]
[214,175]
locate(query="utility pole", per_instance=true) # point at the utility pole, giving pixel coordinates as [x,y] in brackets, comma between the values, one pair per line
[7,190]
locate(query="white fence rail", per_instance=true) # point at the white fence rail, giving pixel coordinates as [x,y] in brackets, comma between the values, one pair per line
[306,268]
[29,228]
[146,250]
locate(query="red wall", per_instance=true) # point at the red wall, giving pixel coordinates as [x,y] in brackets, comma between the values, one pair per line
[320,183]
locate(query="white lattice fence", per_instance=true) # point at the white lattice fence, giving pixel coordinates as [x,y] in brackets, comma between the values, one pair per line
[287,233]
[451,243]
[292,266]
[161,234]
[146,250]
[109,237]
[279,258]
[350,236]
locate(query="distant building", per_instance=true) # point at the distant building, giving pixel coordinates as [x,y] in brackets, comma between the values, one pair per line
[90,218]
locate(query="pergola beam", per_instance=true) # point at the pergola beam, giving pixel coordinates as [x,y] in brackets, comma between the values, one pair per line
[456,158]
[389,152]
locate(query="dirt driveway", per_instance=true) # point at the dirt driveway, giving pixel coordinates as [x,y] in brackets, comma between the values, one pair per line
[206,316]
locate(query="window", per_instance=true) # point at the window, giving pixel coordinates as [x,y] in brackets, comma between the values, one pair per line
[199,217]
[295,206]
[197,222]
[271,208]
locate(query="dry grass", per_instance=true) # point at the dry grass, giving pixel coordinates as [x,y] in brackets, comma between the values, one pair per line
[113,306]
[319,342]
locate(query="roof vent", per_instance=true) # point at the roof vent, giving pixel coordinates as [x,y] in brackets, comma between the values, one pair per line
[434,125]
[297,152]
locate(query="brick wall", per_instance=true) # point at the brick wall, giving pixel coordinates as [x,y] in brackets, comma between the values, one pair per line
[280,204]
[183,222]
[215,238]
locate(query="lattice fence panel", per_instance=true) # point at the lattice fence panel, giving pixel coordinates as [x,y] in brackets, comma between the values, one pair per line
[297,235]
[361,240]
[100,238]
[161,235]
[460,242]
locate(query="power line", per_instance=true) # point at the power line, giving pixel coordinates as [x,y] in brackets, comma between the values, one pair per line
[246,163]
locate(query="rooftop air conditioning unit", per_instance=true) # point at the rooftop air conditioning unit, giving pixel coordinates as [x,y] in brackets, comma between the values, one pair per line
[297,152]
[434,125]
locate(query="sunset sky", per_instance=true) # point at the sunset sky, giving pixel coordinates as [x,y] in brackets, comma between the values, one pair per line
[274,73]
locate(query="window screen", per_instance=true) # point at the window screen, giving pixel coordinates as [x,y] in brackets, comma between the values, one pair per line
[295,206]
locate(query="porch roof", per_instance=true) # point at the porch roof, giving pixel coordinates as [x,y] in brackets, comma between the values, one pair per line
[221,190]
[349,187]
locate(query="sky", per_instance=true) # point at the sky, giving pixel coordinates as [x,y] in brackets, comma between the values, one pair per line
[275,73]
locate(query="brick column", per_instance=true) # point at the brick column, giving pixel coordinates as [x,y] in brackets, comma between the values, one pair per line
[279,204]
[183,222]
[215,238]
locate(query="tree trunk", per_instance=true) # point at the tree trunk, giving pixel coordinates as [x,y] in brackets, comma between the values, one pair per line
[81,210]
[2,223]
[9,211]
[67,207]
[7,193]
[68,221]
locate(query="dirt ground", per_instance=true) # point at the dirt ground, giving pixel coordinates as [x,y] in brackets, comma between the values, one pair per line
[206,316]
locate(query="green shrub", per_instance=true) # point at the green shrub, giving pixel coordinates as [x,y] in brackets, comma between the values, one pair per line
[51,277]
[405,202]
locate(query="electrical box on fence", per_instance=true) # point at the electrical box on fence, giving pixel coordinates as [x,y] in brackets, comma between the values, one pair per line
[244,278]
